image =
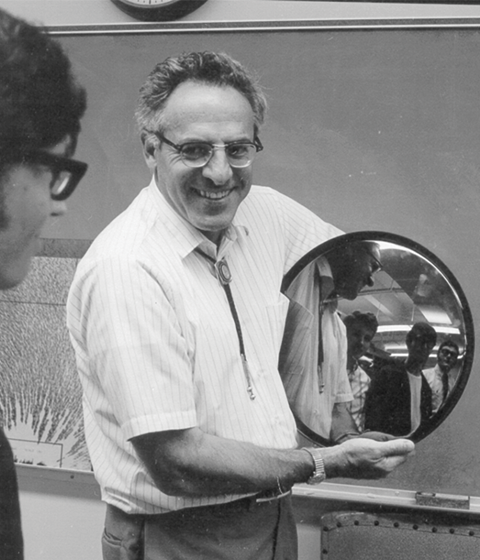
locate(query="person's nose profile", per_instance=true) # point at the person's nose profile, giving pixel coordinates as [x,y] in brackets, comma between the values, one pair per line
[58,208]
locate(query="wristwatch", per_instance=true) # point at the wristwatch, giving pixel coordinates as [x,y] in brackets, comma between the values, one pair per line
[319,471]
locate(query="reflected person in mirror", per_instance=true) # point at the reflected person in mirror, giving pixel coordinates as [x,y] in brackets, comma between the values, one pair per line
[400,398]
[438,377]
[176,318]
[313,355]
[40,110]
[361,328]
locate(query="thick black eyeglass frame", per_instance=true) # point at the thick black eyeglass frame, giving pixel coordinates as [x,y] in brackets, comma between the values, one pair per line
[256,143]
[448,352]
[57,164]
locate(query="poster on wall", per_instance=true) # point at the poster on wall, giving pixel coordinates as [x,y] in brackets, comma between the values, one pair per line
[40,393]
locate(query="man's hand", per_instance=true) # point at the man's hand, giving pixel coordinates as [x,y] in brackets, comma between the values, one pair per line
[377,436]
[365,458]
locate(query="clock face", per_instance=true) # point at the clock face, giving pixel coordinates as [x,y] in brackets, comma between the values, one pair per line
[148,2]
[158,10]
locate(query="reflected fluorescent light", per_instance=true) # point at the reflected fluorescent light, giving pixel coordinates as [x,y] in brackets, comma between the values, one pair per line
[378,304]
[435,314]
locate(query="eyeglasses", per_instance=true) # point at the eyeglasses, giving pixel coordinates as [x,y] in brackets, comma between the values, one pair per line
[197,154]
[449,353]
[66,172]
[375,264]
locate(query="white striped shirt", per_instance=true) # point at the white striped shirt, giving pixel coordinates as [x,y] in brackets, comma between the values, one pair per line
[313,386]
[156,344]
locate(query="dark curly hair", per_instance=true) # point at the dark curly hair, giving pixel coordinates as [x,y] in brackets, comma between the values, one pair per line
[366,320]
[40,101]
[422,330]
[212,68]
[448,343]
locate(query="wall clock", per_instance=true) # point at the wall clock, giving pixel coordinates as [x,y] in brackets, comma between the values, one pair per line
[158,10]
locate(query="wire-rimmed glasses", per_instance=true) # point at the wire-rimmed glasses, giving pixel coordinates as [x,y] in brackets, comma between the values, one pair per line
[197,154]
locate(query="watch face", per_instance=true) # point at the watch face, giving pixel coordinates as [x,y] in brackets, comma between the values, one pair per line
[158,10]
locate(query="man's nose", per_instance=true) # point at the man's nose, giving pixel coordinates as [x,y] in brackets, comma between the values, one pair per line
[370,281]
[58,208]
[218,169]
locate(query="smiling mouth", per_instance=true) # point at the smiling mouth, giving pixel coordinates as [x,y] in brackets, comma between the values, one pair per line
[219,195]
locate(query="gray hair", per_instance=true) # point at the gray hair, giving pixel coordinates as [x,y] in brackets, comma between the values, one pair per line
[211,68]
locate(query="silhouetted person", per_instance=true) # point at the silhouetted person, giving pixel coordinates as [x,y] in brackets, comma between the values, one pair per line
[400,398]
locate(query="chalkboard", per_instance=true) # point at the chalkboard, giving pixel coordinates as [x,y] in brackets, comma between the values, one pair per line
[373,126]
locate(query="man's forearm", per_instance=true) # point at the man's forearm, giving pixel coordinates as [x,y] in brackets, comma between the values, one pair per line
[190,463]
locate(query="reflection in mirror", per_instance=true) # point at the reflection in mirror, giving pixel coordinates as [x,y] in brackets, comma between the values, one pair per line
[378,339]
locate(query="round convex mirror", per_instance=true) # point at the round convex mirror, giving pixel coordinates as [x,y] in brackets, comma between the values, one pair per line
[378,339]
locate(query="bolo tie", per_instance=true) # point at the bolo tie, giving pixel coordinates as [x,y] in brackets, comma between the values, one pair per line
[325,287]
[222,272]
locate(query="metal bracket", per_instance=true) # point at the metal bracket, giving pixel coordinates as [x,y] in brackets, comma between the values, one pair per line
[442,500]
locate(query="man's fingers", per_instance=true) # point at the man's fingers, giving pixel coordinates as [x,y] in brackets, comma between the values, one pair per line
[398,447]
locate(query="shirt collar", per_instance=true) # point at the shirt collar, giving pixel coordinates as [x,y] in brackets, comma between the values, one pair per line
[186,238]
[327,286]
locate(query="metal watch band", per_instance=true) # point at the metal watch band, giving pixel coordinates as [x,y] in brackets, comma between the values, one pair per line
[319,472]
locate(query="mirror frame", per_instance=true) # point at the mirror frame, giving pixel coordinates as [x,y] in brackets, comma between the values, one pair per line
[343,240]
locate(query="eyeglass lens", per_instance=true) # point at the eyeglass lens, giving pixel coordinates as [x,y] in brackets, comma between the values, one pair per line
[66,172]
[60,184]
[198,154]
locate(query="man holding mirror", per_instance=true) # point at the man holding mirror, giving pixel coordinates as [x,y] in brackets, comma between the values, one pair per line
[40,110]
[176,317]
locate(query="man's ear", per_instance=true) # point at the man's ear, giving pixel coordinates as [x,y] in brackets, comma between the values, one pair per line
[150,144]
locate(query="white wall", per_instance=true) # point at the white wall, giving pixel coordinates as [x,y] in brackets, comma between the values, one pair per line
[62,515]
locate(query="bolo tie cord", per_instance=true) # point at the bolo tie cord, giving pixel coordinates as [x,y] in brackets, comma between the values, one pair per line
[224,276]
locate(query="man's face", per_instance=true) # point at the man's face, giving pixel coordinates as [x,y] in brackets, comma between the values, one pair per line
[359,340]
[206,197]
[356,272]
[447,358]
[419,349]
[26,204]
